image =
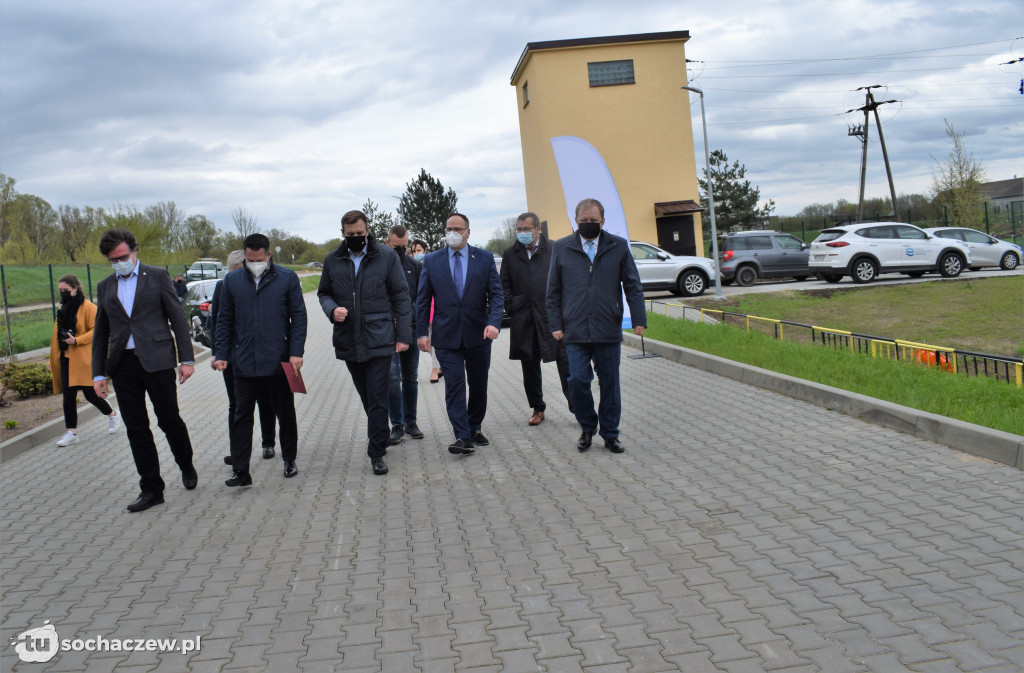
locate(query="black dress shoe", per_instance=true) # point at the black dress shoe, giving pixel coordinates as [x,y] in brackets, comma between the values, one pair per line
[614,445]
[228,460]
[379,466]
[583,443]
[461,446]
[268,452]
[397,433]
[145,501]
[413,431]
[289,469]
[479,439]
[239,479]
[190,478]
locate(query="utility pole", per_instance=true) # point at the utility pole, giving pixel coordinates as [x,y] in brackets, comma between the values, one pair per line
[861,130]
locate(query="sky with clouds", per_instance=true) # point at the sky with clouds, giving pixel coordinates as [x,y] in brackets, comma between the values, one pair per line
[299,111]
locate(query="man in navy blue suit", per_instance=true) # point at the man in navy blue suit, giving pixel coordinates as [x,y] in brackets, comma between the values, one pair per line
[463,282]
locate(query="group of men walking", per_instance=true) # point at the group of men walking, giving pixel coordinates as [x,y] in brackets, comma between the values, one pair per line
[564,301]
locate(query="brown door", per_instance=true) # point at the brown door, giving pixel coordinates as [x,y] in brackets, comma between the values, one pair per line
[675,234]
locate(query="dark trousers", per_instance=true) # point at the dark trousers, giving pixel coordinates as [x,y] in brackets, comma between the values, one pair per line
[247,390]
[533,381]
[71,397]
[371,381]
[462,366]
[132,383]
[403,388]
[605,358]
[263,401]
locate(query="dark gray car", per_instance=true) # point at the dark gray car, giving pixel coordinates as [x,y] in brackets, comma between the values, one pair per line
[746,256]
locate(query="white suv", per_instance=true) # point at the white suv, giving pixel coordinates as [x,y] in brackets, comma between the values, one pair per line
[862,251]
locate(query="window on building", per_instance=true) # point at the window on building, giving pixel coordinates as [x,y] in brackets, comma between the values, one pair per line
[608,73]
[526,94]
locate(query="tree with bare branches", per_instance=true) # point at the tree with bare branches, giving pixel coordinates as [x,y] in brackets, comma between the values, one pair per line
[244,221]
[957,182]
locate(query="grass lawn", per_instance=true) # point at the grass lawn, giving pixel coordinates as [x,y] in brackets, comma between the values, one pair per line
[984,401]
[984,315]
[31,284]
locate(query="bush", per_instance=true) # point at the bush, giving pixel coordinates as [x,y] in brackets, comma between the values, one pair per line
[28,379]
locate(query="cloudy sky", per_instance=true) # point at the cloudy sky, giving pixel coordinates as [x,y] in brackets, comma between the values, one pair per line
[301,110]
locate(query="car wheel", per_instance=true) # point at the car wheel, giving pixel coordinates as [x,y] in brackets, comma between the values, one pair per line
[951,265]
[1008,262]
[746,276]
[800,279]
[915,274]
[864,271]
[692,284]
[831,277]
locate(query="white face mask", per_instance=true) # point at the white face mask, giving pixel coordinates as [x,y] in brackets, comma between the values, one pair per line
[453,239]
[256,268]
[123,268]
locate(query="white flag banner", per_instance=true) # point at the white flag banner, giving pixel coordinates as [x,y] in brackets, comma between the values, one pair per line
[585,175]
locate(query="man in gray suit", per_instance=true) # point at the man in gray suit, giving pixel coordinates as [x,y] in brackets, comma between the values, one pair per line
[133,345]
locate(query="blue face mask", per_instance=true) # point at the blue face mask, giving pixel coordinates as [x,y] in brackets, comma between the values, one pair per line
[524,238]
[419,256]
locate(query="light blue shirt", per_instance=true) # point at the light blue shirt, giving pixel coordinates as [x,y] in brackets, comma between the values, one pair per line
[463,259]
[126,294]
[357,258]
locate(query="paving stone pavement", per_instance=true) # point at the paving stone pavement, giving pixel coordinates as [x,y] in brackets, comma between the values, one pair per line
[742,531]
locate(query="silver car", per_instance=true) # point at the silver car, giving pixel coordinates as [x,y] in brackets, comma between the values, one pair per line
[681,275]
[985,250]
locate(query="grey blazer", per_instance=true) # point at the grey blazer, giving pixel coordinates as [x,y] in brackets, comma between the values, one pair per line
[156,306]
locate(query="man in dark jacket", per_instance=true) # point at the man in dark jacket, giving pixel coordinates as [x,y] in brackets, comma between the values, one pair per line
[364,293]
[261,324]
[403,388]
[524,277]
[589,271]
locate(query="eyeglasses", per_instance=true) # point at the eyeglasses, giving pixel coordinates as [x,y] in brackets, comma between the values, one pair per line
[585,222]
[524,230]
[122,258]
[457,230]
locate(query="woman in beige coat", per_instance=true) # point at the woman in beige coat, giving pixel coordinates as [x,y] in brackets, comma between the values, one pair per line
[71,357]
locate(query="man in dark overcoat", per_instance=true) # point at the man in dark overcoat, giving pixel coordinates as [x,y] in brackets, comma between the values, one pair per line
[524,277]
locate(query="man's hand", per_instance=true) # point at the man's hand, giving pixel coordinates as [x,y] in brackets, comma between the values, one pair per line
[340,314]
[558,335]
[639,330]
[71,340]
[424,344]
[101,388]
[491,332]
[296,362]
[213,364]
[220,365]
[399,347]
[185,371]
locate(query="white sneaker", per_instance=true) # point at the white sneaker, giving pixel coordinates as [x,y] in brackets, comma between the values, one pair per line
[68,438]
[113,422]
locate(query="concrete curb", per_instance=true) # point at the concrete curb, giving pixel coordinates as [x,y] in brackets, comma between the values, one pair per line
[48,431]
[1002,447]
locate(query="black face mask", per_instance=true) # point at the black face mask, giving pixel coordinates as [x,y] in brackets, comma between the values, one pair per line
[400,249]
[355,243]
[65,296]
[589,230]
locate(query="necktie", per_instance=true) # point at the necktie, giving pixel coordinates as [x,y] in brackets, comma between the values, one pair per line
[532,249]
[457,272]
[590,250]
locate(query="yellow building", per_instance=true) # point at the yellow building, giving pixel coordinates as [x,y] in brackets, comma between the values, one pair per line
[621,95]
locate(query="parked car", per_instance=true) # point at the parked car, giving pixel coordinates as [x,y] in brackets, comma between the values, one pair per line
[864,250]
[197,308]
[205,268]
[315,265]
[745,256]
[681,275]
[985,250]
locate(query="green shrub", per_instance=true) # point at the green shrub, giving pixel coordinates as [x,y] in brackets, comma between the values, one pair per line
[28,379]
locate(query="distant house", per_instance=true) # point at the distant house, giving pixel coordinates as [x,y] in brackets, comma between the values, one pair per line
[1002,193]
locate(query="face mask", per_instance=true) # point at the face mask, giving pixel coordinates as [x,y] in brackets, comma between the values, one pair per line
[400,249]
[524,238]
[65,296]
[453,239]
[419,256]
[589,230]
[355,243]
[257,268]
[123,268]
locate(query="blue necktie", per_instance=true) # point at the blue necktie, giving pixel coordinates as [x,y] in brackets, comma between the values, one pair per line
[457,272]
[590,250]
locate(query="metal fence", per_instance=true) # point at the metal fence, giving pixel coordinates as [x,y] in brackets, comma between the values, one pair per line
[953,360]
